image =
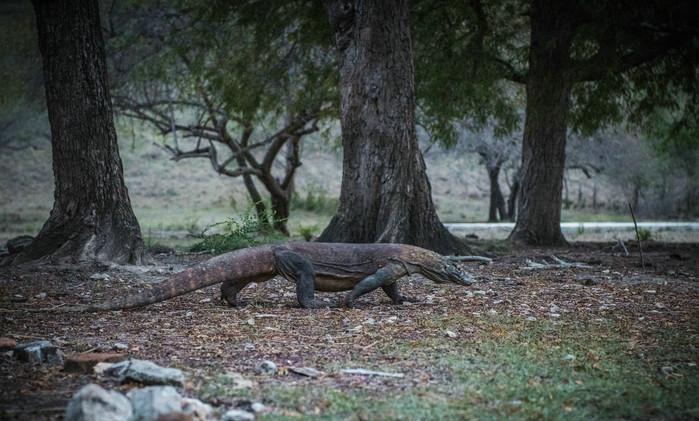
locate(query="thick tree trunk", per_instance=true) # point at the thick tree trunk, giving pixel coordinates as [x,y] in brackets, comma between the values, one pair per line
[385,194]
[280,211]
[91,216]
[497,201]
[548,102]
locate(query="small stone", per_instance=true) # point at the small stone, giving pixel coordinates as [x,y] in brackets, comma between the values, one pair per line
[100,276]
[41,296]
[450,333]
[568,357]
[205,300]
[492,312]
[237,415]
[257,407]
[84,363]
[531,319]
[555,315]
[553,308]
[248,346]
[392,319]
[145,372]
[250,321]
[93,403]
[7,344]
[154,403]
[469,294]
[39,352]
[267,367]
[660,305]
[479,292]
[120,346]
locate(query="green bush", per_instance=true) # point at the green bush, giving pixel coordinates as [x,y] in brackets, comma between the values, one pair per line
[316,200]
[237,233]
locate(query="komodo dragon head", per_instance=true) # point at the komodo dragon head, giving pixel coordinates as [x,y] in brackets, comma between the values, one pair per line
[440,269]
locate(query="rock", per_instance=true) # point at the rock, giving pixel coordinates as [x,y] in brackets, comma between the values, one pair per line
[306,371]
[39,352]
[153,402]
[100,276]
[7,344]
[93,403]
[257,407]
[237,415]
[41,296]
[17,244]
[197,410]
[450,333]
[145,372]
[120,346]
[267,367]
[84,363]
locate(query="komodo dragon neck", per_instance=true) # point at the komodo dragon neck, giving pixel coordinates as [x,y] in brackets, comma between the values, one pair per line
[312,266]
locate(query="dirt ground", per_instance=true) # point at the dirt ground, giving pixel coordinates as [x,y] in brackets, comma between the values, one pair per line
[196,333]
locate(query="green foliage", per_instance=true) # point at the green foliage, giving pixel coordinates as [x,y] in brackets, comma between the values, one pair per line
[644,234]
[316,200]
[308,232]
[236,233]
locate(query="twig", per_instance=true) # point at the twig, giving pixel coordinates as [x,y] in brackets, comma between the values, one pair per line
[638,237]
[623,246]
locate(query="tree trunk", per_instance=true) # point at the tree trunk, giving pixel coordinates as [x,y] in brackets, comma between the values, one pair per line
[543,150]
[385,194]
[91,216]
[497,201]
[280,212]
[512,198]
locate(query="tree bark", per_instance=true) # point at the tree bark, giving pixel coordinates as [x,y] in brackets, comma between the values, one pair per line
[385,194]
[548,101]
[91,217]
[497,201]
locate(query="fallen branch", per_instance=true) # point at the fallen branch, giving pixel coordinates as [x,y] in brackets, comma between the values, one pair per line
[558,264]
[487,260]
[363,372]
[623,246]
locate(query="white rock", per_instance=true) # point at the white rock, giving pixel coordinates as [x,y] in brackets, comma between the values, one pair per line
[237,415]
[145,372]
[450,333]
[257,407]
[153,402]
[93,403]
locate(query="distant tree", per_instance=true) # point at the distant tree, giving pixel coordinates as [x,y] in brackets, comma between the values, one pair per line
[228,90]
[385,194]
[584,65]
[496,153]
[92,216]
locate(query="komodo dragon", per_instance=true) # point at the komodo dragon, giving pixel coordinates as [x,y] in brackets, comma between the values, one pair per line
[329,267]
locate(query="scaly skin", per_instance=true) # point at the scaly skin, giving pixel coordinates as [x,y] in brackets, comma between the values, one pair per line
[358,268]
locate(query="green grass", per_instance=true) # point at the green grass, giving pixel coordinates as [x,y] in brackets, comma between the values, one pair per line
[516,370]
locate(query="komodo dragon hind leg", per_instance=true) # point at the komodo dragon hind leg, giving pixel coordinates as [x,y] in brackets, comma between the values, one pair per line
[299,270]
[385,277]
[230,290]
[395,295]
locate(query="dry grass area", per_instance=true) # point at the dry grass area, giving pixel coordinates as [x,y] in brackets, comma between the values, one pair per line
[613,341]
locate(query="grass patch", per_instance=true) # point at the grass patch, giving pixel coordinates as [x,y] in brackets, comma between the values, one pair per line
[518,370]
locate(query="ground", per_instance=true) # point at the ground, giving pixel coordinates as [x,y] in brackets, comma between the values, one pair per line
[611,341]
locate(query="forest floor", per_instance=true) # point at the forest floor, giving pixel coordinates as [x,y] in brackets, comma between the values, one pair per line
[612,341]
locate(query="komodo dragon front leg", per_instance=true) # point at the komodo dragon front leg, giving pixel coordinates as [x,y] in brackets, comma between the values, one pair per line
[385,278]
[299,270]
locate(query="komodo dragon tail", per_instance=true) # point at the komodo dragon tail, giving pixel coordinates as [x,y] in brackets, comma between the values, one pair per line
[238,264]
